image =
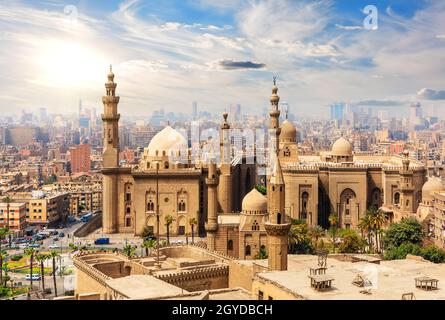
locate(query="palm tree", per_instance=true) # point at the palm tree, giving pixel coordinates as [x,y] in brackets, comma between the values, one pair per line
[192,223]
[333,221]
[376,219]
[3,256]
[53,254]
[366,227]
[129,250]
[316,233]
[41,258]
[169,219]
[148,244]
[8,201]
[31,253]
[3,233]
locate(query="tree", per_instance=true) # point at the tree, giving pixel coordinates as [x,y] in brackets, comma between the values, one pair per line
[261,189]
[262,254]
[53,255]
[351,242]
[333,229]
[400,252]
[316,233]
[41,258]
[3,233]
[433,254]
[148,244]
[192,223]
[408,230]
[31,253]
[169,219]
[299,239]
[147,232]
[129,250]
[73,247]
[366,227]
[8,202]
[3,256]
[378,219]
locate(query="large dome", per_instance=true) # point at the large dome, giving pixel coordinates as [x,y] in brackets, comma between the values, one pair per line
[433,184]
[288,132]
[342,147]
[167,140]
[254,202]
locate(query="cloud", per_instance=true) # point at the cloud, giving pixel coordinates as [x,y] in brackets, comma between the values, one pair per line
[440,36]
[239,65]
[431,94]
[381,103]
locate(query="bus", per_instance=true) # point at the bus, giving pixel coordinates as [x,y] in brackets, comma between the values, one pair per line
[86,217]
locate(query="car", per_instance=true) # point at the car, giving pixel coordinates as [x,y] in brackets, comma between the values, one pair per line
[34,245]
[54,246]
[102,241]
[23,245]
[61,234]
[35,277]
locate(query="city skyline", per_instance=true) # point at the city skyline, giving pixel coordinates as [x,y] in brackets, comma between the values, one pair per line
[169,54]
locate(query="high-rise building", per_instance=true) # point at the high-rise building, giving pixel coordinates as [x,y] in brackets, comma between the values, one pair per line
[80,158]
[337,111]
[195,110]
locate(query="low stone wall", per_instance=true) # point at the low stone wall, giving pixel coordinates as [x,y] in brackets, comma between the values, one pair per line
[90,226]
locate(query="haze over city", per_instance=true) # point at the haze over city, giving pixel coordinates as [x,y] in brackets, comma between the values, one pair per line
[171,53]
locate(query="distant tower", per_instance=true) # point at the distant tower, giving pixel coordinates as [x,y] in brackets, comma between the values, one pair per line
[110,171]
[225,185]
[407,201]
[212,206]
[276,227]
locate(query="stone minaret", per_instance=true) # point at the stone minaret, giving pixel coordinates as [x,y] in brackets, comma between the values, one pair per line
[277,227]
[406,186]
[225,185]
[212,206]
[110,119]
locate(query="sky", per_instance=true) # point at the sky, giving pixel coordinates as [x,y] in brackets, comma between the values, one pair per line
[167,54]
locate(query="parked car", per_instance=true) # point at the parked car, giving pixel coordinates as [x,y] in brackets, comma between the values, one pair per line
[54,246]
[34,245]
[35,277]
[61,234]
[23,245]
[102,241]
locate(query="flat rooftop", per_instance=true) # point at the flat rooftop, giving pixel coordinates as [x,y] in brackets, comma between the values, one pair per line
[390,279]
[143,287]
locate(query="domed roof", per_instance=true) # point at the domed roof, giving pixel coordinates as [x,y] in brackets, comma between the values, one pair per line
[288,131]
[433,184]
[342,147]
[254,201]
[168,139]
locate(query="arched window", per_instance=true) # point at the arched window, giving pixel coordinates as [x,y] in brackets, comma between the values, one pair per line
[278,218]
[181,206]
[150,206]
[248,251]
[255,226]
[396,198]
[128,210]
[230,245]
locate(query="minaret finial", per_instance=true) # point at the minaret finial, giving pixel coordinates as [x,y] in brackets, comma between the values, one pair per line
[274,80]
[111,68]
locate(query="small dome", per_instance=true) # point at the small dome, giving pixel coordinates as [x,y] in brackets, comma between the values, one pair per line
[168,140]
[288,132]
[433,184]
[254,201]
[342,147]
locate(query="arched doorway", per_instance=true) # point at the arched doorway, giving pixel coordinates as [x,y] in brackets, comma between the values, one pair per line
[376,198]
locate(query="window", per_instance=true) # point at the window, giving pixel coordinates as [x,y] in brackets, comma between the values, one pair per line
[278,218]
[230,245]
[396,198]
[181,206]
[150,206]
[347,212]
[128,196]
[260,295]
[128,210]
[128,221]
[181,230]
[248,251]
[255,226]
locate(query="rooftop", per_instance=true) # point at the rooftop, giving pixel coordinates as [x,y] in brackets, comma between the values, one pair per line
[390,279]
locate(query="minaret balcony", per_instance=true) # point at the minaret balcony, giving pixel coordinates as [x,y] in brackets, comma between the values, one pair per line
[106,117]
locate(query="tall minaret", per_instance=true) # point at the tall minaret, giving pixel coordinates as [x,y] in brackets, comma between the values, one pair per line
[277,227]
[212,205]
[110,119]
[225,186]
[274,126]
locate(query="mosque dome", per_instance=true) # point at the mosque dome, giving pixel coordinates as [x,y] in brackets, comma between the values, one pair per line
[288,132]
[167,140]
[433,184]
[254,202]
[342,147]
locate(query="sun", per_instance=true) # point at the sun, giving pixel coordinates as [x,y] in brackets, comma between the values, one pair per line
[68,64]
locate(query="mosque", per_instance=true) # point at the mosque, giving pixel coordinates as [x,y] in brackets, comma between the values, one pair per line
[238,220]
